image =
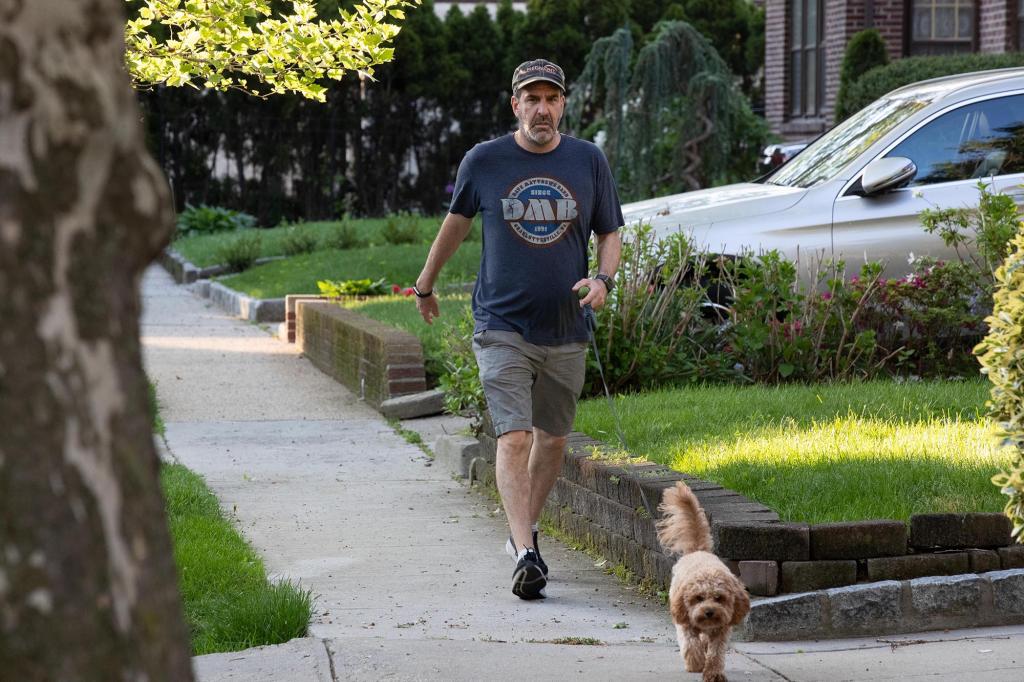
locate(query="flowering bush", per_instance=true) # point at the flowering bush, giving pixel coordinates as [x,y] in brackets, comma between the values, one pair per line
[355,287]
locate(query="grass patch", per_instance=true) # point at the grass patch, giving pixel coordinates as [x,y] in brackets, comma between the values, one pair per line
[229,605]
[159,428]
[398,264]
[400,312]
[202,249]
[822,453]
[572,641]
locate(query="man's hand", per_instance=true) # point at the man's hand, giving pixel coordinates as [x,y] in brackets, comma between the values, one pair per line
[597,295]
[428,308]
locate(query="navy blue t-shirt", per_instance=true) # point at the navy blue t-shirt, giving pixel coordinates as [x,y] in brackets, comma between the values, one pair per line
[538,211]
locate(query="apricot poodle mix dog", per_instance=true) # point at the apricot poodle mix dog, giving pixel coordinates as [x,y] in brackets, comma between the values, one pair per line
[706,600]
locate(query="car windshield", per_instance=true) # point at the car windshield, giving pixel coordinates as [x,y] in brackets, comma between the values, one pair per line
[834,150]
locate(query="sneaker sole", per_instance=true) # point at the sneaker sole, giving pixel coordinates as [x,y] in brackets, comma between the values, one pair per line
[528,583]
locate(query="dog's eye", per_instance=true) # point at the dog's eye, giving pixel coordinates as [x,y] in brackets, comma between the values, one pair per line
[719,597]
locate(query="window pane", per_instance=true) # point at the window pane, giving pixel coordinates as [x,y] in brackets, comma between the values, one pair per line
[812,23]
[796,32]
[811,79]
[945,22]
[795,82]
[975,141]
[965,26]
[922,23]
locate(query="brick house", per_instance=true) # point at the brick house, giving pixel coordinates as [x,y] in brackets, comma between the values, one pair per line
[805,41]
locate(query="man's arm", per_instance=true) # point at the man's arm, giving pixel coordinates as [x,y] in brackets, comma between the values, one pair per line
[452,233]
[609,251]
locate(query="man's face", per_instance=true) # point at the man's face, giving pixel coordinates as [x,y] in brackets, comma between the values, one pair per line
[539,109]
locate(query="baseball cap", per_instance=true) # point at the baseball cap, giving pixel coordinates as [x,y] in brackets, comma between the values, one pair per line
[537,70]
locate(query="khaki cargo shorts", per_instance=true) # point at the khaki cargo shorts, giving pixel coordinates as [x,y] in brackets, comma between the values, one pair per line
[527,385]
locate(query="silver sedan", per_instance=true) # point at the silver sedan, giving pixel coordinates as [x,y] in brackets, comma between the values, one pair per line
[857,192]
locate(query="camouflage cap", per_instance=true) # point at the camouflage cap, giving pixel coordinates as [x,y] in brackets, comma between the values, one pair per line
[537,70]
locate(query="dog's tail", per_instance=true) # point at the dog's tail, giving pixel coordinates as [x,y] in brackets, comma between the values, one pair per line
[683,527]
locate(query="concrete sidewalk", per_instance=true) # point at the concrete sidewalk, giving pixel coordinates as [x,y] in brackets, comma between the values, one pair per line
[407,564]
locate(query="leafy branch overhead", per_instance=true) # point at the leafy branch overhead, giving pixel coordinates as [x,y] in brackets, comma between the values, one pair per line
[237,44]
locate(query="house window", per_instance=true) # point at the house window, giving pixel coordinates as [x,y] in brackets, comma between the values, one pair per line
[807,57]
[942,26]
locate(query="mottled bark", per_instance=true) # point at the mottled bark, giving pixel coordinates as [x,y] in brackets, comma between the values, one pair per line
[87,583]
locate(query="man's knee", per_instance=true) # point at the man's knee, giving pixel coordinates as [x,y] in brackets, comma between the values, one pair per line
[515,442]
[548,441]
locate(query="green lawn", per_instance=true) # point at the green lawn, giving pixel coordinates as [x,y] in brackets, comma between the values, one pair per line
[201,250]
[400,311]
[229,605]
[821,453]
[398,264]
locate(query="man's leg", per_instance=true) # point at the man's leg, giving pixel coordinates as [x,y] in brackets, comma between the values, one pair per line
[512,470]
[546,458]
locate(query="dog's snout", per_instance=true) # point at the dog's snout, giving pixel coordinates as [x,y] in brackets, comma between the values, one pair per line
[709,613]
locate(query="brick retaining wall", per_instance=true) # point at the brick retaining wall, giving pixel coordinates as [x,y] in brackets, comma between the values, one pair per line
[372,359]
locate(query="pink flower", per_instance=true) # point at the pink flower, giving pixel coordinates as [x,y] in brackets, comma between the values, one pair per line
[395,289]
[408,291]
[650,288]
[854,279]
[825,296]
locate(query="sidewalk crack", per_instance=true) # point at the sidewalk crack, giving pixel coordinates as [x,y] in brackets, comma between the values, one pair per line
[330,660]
[766,667]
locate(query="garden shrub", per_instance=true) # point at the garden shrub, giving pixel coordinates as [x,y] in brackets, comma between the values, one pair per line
[241,252]
[987,228]
[209,219]
[884,79]
[355,287]
[653,329]
[343,236]
[865,51]
[297,241]
[1001,354]
[460,381]
[401,228]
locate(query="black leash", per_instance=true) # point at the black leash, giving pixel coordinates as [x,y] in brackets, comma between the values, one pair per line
[591,318]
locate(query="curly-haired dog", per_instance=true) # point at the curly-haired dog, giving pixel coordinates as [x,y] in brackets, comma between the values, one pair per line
[706,600]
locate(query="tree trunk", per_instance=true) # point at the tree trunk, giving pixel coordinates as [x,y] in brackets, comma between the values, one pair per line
[87,582]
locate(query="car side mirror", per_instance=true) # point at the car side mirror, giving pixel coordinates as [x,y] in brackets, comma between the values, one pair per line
[882,175]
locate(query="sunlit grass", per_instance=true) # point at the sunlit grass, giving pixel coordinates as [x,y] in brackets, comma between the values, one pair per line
[401,312]
[202,250]
[822,453]
[397,264]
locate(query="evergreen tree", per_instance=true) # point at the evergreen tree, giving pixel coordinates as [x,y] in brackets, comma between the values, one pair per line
[686,125]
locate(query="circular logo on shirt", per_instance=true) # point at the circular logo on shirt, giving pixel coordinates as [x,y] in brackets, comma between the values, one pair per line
[539,210]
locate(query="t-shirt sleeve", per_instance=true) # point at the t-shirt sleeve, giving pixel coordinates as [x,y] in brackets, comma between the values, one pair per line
[607,210]
[466,197]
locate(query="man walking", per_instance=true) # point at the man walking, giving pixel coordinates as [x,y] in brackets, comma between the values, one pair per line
[541,195]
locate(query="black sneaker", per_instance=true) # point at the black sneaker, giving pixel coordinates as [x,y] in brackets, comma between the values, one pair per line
[528,580]
[510,549]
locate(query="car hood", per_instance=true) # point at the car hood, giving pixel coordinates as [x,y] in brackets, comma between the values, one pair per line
[702,207]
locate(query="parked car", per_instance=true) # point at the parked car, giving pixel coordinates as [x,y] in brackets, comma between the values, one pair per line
[786,150]
[857,191]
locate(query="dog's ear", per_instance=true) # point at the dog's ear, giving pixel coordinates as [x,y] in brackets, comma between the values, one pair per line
[740,605]
[677,607]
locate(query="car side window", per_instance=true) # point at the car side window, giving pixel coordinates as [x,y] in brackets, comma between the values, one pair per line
[973,141]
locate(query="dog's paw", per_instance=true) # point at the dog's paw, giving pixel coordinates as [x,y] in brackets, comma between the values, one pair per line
[714,677]
[694,661]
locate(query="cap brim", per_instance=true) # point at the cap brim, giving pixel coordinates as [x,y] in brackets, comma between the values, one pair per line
[536,79]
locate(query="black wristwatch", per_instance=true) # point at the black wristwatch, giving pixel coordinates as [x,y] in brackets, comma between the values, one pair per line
[422,294]
[609,283]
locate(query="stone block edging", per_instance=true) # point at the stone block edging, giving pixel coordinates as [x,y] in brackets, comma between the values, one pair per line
[606,502]
[245,307]
[185,272]
[890,607]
